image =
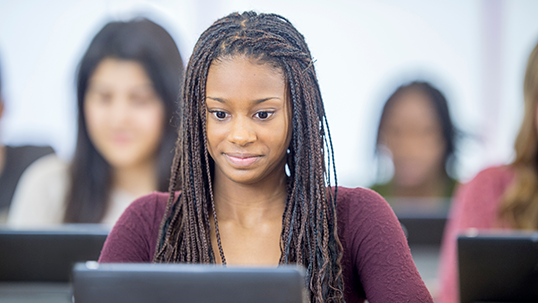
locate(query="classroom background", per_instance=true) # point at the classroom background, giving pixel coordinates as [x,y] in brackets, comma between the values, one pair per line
[474,51]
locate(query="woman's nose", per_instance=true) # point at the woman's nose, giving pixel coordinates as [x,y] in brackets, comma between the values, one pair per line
[119,111]
[241,132]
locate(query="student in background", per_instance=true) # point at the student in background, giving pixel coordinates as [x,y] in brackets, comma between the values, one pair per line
[252,106]
[127,91]
[13,162]
[417,133]
[503,197]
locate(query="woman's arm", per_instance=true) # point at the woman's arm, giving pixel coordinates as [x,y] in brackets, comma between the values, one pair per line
[380,252]
[475,206]
[134,236]
[39,198]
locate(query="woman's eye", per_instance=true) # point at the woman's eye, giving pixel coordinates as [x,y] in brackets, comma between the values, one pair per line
[104,99]
[263,115]
[219,115]
[140,101]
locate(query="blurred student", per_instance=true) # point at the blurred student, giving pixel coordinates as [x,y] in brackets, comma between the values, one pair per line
[13,161]
[503,197]
[127,92]
[417,133]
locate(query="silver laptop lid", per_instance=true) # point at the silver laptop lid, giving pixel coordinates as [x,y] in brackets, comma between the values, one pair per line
[192,283]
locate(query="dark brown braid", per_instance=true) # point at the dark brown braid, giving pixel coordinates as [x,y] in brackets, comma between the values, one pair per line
[309,233]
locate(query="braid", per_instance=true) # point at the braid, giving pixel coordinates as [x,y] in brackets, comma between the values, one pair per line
[309,232]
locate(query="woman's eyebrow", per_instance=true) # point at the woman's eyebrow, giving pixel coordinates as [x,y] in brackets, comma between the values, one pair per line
[96,84]
[258,101]
[264,99]
[216,99]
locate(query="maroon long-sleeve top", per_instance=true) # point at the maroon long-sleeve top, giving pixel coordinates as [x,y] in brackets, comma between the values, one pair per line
[376,263]
[476,205]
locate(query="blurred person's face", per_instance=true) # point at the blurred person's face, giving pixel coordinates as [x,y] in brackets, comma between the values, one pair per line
[124,115]
[248,120]
[412,133]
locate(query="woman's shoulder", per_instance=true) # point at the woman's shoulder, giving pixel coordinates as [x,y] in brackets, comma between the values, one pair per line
[134,236]
[370,235]
[149,208]
[47,173]
[361,207]
[383,189]
[476,202]
[360,197]
[45,168]
[40,192]
[492,180]
[495,173]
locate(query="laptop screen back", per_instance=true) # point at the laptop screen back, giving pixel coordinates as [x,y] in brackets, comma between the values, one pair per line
[178,283]
[498,267]
[47,255]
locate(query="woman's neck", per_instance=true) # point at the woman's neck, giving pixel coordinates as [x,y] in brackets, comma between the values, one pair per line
[249,204]
[432,187]
[137,180]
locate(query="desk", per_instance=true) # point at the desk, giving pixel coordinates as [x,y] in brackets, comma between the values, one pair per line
[426,258]
[19,292]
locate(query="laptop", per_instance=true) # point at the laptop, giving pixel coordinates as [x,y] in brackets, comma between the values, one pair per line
[498,267]
[48,255]
[182,283]
[423,230]
[423,219]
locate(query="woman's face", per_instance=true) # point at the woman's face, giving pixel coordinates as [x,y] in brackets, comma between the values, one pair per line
[413,134]
[248,120]
[124,115]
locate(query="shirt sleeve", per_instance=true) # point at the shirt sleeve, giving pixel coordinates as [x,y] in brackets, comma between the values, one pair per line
[380,252]
[133,237]
[39,199]
[475,206]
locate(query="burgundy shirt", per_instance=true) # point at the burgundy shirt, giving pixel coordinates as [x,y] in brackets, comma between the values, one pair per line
[476,205]
[376,264]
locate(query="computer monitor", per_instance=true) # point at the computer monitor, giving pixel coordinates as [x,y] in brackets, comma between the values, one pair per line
[498,267]
[423,230]
[48,255]
[182,283]
[423,219]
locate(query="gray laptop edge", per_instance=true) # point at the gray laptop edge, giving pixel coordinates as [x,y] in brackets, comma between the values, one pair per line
[48,255]
[498,267]
[141,283]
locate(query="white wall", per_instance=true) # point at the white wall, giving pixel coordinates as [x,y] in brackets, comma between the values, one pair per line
[363,50]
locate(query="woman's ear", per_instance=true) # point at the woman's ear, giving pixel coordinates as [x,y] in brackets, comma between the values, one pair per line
[1,107]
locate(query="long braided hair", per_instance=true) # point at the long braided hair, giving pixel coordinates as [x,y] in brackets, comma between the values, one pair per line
[309,235]
[519,205]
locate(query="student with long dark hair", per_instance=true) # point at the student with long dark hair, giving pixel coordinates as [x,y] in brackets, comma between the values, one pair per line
[127,91]
[252,107]
[417,133]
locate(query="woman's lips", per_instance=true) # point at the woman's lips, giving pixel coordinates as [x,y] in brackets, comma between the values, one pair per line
[121,138]
[242,159]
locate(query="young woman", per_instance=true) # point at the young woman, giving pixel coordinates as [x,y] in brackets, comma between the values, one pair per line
[504,197]
[254,186]
[127,89]
[416,131]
